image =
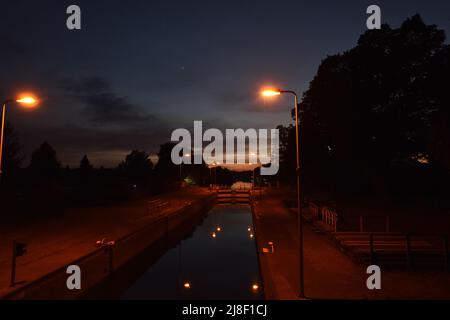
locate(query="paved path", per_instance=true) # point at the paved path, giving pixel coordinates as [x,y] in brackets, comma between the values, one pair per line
[329,274]
[52,244]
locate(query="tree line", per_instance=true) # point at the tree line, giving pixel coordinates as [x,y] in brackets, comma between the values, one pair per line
[376,118]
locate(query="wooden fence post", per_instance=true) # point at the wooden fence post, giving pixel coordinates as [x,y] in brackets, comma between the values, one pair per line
[446,253]
[13,265]
[335,222]
[110,259]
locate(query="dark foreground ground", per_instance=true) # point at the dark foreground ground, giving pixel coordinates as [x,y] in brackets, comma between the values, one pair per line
[56,242]
[329,273]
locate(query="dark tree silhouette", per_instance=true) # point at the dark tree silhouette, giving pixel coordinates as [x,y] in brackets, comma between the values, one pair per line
[165,168]
[85,164]
[12,153]
[375,105]
[287,153]
[137,164]
[44,161]
[44,193]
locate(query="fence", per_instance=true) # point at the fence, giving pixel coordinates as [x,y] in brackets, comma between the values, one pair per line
[325,214]
[396,249]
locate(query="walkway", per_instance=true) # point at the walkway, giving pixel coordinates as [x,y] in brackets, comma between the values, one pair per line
[329,274]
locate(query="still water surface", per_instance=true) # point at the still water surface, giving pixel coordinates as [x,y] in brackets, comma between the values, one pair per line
[218,261]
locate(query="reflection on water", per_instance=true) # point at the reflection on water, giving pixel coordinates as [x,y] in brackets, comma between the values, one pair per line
[217,262]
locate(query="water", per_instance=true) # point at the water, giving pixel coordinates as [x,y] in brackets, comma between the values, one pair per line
[205,266]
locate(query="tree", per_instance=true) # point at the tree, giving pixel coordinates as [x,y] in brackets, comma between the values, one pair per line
[287,153]
[374,105]
[45,192]
[12,152]
[44,161]
[165,168]
[85,164]
[137,164]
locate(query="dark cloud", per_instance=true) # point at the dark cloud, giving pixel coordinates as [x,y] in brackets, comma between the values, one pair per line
[103,106]
[87,85]
[12,47]
[108,108]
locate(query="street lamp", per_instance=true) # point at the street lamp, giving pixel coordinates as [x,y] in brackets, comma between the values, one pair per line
[26,101]
[213,165]
[187,155]
[273,93]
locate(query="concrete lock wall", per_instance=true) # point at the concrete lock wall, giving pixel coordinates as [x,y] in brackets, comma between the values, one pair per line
[100,263]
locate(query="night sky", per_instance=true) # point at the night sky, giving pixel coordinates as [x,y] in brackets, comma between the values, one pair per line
[139,69]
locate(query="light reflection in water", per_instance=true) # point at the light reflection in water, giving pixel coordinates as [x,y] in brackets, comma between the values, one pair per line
[221,267]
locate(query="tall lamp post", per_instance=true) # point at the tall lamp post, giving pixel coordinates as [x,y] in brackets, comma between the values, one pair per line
[273,93]
[29,101]
[213,166]
[187,155]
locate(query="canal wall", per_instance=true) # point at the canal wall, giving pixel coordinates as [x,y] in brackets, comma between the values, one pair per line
[101,263]
[262,265]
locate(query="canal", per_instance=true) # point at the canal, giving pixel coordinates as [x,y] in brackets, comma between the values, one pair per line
[217,260]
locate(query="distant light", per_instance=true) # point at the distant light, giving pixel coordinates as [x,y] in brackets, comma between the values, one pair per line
[251,235]
[213,235]
[187,285]
[270,93]
[255,287]
[187,155]
[421,158]
[219,229]
[249,229]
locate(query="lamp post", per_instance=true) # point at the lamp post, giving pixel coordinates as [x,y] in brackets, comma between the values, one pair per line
[30,101]
[187,155]
[273,93]
[213,165]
